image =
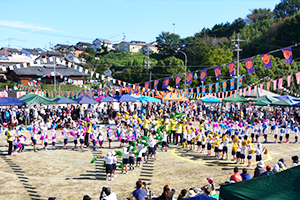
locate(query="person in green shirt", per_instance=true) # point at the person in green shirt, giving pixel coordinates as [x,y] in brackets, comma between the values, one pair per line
[9,140]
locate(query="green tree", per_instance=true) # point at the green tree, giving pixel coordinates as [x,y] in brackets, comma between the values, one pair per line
[259,15]
[168,43]
[286,8]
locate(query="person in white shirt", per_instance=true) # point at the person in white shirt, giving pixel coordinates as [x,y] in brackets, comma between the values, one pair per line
[152,143]
[125,156]
[109,168]
[53,136]
[295,161]
[275,132]
[109,195]
[164,141]
[100,137]
[66,135]
[225,146]
[109,136]
[296,130]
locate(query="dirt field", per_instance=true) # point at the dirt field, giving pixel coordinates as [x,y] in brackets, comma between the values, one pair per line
[68,174]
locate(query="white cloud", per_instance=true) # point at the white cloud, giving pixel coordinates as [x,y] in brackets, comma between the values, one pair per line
[23,25]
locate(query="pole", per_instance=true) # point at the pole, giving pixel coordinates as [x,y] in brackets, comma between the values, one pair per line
[54,74]
[185,67]
[150,80]
[237,46]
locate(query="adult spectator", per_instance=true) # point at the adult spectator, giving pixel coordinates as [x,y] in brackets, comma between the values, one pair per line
[236,177]
[108,194]
[245,175]
[260,169]
[140,193]
[295,161]
[268,172]
[87,197]
[9,140]
[182,195]
[280,166]
[167,193]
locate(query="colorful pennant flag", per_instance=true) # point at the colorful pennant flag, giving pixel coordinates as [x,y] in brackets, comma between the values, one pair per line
[178,79]
[224,84]
[217,72]
[255,89]
[210,88]
[268,85]
[232,84]
[240,81]
[287,53]
[155,84]
[203,75]
[189,78]
[231,67]
[289,77]
[249,65]
[298,77]
[136,89]
[274,84]
[280,83]
[217,87]
[266,60]
[166,83]
[203,90]
[261,86]
[146,86]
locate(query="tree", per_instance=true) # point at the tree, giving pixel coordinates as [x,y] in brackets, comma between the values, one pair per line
[259,15]
[286,8]
[167,43]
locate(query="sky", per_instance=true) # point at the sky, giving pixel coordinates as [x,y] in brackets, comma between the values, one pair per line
[44,23]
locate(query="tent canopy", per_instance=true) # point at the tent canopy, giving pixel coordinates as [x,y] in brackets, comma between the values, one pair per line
[237,99]
[35,99]
[65,100]
[257,93]
[281,185]
[283,103]
[288,98]
[261,103]
[105,99]
[145,99]
[126,98]
[9,101]
[265,98]
[85,100]
[211,99]
[172,96]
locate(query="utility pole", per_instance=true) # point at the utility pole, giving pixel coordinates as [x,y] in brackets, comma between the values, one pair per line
[147,64]
[236,47]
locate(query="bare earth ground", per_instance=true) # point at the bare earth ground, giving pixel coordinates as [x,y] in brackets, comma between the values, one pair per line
[68,174]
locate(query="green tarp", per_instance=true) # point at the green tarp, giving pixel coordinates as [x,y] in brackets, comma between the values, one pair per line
[265,98]
[282,185]
[237,99]
[282,103]
[261,103]
[35,99]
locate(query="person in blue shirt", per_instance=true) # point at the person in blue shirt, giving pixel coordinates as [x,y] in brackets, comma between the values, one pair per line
[245,175]
[140,193]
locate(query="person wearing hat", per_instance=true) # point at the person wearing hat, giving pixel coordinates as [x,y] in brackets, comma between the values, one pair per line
[109,168]
[260,169]
[280,166]
[268,172]
[295,161]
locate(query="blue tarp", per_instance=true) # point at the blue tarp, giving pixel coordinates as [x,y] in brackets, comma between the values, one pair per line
[211,100]
[65,100]
[9,101]
[126,98]
[288,98]
[198,197]
[105,99]
[85,100]
[145,99]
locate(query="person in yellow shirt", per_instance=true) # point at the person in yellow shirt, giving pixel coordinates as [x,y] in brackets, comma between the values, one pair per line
[9,140]
[173,128]
[146,126]
[179,127]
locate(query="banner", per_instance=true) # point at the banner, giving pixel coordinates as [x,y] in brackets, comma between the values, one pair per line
[231,67]
[210,88]
[178,79]
[230,94]
[203,75]
[274,84]
[261,86]
[166,83]
[255,89]
[235,92]
[189,78]
[232,84]
[249,65]
[249,91]
[280,83]
[241,92]
[266,60]
[245,90]
[203,90]
[136,89]
[217,86]
[120,90]
[268,86]
[287,53]
[298,77]
[217,72]
[240,80]
[198,91]
[155,84]
[289,77]
[224,84]
[147,86]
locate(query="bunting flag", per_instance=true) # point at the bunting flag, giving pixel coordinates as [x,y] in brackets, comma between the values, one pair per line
[232,84]
[231,67]
[255,89]
[217,87]
[241,92]
[106,92]
[198,91]
[136,89]
[268,85]
[186,92]
[146,86]
[249,65]
[217,72]
[219,95]
[287,53]
[192,91]
[166,83]
[129,89]
[280,83]
[240,81]
[230,94]
[288,78]
[155,84]
[266,60]
[222,95]
[195,75]
[178,79]
[274,84]
[189,78]
[261,86]
[245,90]
[224,84]
[249,91]
[120,90]
[203,90]
[210,88]
[235,92]
[226,94]
[298,77]
[203,75]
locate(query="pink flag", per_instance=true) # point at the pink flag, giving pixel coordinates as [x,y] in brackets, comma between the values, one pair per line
[226,94]
[268,85]
[274,84]
[280,83]
[249,91]
[222,95]
[255,89]
[235,92]
[261,87]
[298,77]
[241,91]
[219,95]
[230,94]
[289,77]
[245,89]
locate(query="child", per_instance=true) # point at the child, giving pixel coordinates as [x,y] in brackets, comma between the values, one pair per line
[131,158]
[34,138]
[125,156]
[250,152]
[287,132]
[203,142]
[164,141]
[296,130]
[22,141]
[252,133]
[81,135]
[100,137]
[281,135]
[114,163]
[198,139]
[94,140]
[109,136]
[109,168]
[15,144]
[265,130]
[53,136]
[275,132]
[225,146]
[66,135]
[258,152]
[209,141]
[75,135]
[234,150]
[152,146]
[243,151]
[122,137]
[46,140]
[184,138]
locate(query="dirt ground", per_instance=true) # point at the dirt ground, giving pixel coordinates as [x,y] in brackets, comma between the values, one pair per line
[68,174]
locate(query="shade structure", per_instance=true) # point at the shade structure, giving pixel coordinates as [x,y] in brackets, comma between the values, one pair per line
[281,185]
[265,98]
[288,98]
[65,100]
[9,101]
[261,103]
[211,99]
[200,197]
[105,99]
[172,96]
[238,98]
[126,98]
[283,103]
[35,99]
[146,99]
[85,100]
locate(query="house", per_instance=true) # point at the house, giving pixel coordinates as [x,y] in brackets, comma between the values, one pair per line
[135,46]
[83,45]
[97,44]
[29,52]
[11,56]
[12,51]
[24,75]
[49,57]
[61,47]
